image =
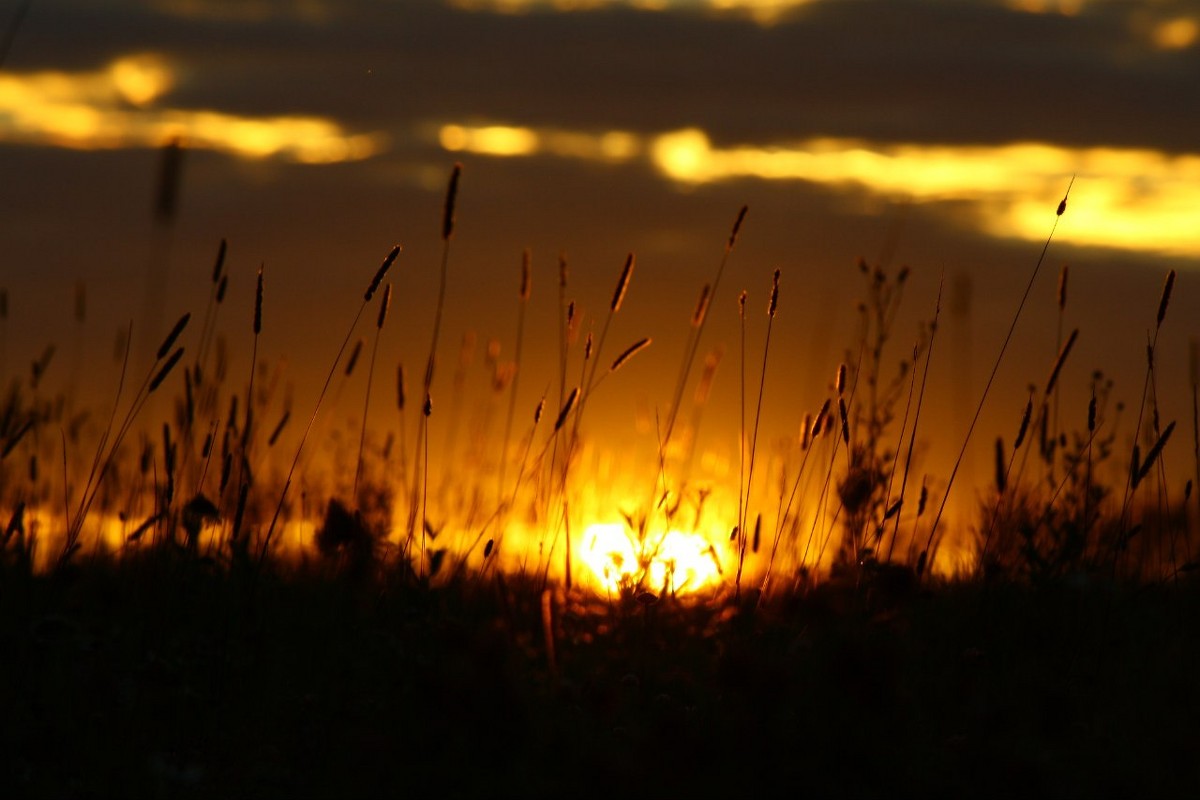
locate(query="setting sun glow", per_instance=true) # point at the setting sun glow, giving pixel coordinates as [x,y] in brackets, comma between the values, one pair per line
[675,561]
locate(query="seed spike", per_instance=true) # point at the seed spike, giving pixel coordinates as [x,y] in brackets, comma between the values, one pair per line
[1062,206]
[1058,362]
[845,420]
[379,273]
[622,284]
[1166,297]
[630,352]
[165,347]
[353,360]
[566,409]
[701,306]
[451,199]
[219,266]
[1154,453]
[774,296]
[165,370]
[258,302]
[737,227]
[384,304]
[526,275]
[1024,424]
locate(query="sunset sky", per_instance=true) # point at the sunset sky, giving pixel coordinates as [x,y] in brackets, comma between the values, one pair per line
[317,134]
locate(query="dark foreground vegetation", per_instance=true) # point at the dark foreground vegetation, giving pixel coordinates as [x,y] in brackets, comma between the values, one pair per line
[162,677]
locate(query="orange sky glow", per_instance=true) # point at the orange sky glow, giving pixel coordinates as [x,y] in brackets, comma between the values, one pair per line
[316,135]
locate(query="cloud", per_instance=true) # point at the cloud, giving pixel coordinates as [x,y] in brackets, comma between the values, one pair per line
[1133,199]
[114,107]
[907,71]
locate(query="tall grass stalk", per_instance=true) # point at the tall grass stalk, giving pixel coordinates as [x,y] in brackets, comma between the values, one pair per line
[242,456]
[809,430]
[1062,207]
[1194,377]
[401,402]
[692,344]
[367,295]
[1044,421]
[217,289]
[1004,481]
[3,331]
[106,452]
[587,384]
[522,305]
[1149,397]
[1061,302]
[384,303]
[912,437]
[772,306]
[420,455]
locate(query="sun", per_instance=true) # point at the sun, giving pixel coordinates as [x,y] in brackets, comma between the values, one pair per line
[672,561]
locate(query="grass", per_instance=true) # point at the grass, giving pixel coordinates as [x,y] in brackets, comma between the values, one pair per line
[161,677]
[445,636]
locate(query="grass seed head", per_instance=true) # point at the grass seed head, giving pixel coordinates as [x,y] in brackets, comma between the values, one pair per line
[353,360]
[566,409]
[737,227]
[1062,206]
[622,284]
[1166,297]
[379,273]
[451,199]
[526,275]
[1154,453]
[845,420]
[820,419]
[165,347]
[630,352]
[166,370]
[701,306]
[1058,362]
[384,304]
[258,301]
[1001,469]
[400,387]
[1024,424]
[219,265]
[283,421]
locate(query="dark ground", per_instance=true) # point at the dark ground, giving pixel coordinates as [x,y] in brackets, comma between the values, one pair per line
[170,678]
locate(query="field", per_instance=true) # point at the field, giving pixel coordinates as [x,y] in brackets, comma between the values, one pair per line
[183,616]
